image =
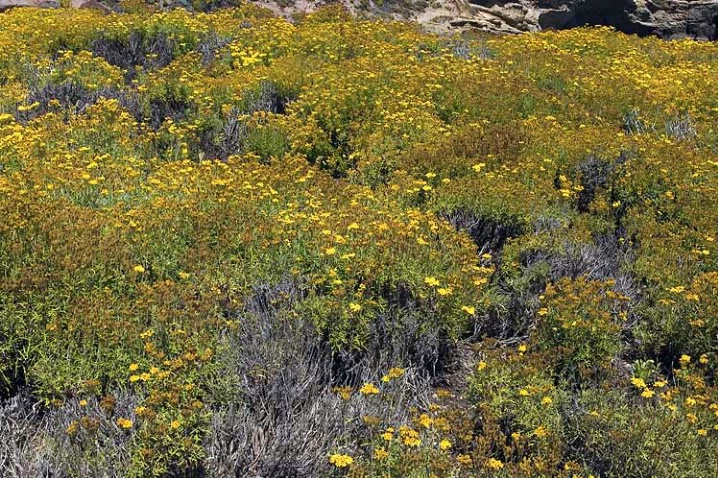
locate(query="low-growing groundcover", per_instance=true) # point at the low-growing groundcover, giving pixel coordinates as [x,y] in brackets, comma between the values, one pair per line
[234,246]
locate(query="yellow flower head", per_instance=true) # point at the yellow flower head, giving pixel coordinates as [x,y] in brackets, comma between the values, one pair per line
[425,420]
[368,389]
[344,392]
[380,453]
[464,460]
[396,372]
[124,423]
[341,461]
[432,281]
[494,464]
[444,444]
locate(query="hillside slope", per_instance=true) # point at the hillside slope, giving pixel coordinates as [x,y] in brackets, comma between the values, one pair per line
[236,246]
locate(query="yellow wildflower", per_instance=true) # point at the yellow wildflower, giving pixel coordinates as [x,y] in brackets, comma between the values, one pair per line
[124,423]
[432,281]
[425,420]
[464,460]
[380,453]
[341,461]
[494,464]
[368,389]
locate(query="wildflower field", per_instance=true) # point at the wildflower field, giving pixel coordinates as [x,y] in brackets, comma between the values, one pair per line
[235,246]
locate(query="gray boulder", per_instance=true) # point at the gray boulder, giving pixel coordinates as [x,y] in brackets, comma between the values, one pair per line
[665,18]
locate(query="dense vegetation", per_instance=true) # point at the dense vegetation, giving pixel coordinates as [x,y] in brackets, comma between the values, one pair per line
[235,246]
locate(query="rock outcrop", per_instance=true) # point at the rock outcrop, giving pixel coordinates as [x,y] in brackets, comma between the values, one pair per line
[93,4]
[665,18]
[8,4]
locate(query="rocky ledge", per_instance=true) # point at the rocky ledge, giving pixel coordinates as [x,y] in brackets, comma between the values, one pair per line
[8,4]
[668,19]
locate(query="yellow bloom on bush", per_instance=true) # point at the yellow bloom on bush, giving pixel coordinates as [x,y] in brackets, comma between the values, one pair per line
[494,464]
[464,460]
[139,269]
[409,436]
[369,389]
[341,461]
[432,281]
[344,392]
[380,453]
[425,420]
[444,444]
[396,372]
[124,423]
